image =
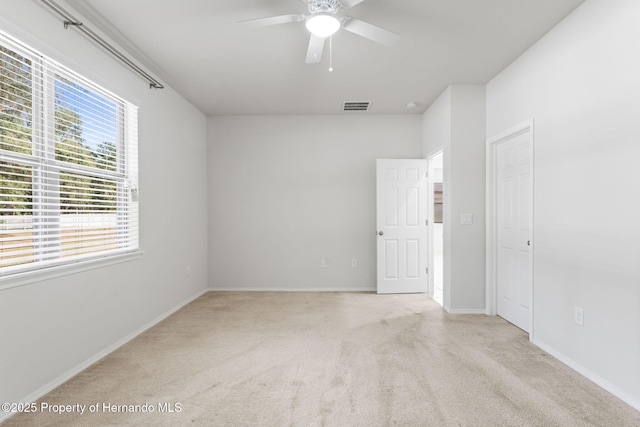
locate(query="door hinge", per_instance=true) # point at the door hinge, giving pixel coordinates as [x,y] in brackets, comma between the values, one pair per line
[427,270]
[426,222]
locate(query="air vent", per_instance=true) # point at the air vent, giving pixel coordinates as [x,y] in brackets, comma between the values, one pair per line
[357,106]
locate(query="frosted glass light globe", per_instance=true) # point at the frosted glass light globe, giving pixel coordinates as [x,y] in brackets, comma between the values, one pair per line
[322,25]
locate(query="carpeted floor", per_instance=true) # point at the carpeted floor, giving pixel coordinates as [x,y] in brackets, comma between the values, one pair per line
[330,359]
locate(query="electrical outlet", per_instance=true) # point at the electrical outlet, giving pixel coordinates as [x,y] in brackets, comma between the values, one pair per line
[579,316]
[354,263]
[323,263]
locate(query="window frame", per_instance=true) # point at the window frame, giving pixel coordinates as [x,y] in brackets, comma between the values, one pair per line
[43,160]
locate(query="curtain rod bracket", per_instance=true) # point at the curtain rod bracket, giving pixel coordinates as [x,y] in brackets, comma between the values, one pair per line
[67,23]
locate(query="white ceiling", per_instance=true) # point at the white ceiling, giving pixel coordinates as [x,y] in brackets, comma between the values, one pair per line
[197,47]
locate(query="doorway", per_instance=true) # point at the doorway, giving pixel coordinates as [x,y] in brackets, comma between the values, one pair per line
[436,229]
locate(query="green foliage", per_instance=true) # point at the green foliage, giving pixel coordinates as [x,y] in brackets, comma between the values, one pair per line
[15,130]
[105,156]
[15,102]
[15,194]
[79,192]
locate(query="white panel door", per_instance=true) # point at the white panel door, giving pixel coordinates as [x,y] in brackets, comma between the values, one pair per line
[513,209]
[402,226]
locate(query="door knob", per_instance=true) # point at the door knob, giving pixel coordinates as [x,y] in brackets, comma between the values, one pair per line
[528,242]
[380,233]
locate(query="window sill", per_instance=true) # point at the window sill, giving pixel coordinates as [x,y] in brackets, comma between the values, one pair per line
[27,277]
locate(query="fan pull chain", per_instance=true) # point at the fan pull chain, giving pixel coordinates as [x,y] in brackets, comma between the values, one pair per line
[330,54]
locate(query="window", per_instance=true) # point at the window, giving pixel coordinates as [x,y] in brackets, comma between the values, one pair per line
[68,165]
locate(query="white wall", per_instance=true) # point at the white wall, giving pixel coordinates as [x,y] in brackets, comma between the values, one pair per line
[53,327]
[436,124]
[287,191]
[455,124]
[581,84]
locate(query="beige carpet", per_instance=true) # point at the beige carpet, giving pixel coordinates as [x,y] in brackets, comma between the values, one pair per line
[331,359]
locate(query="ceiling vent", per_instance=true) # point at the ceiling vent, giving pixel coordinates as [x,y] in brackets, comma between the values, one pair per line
[356,106]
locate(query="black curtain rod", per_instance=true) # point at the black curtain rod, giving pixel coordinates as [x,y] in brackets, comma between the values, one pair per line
[70,20]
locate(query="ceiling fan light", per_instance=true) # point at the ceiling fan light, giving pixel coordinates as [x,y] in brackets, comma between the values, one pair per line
[322,25]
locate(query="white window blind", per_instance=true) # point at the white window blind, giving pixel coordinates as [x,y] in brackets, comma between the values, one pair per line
[68,165]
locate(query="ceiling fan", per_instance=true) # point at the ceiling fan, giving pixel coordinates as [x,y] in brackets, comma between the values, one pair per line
[323,21]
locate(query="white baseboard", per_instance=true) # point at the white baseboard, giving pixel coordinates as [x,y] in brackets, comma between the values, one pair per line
[84,365]
[632,401]
[465,310]
[276,289]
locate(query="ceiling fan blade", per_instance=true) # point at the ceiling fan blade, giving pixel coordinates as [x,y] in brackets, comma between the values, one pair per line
[371,32]
[316,46]
[350,3]
[273,20]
